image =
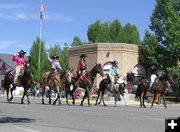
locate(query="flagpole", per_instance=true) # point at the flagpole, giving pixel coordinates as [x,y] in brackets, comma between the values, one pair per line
[40,39]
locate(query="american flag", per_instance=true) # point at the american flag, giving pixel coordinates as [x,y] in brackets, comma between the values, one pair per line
[41,11]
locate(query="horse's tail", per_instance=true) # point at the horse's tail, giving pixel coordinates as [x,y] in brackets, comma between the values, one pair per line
[138,91]
[7,80]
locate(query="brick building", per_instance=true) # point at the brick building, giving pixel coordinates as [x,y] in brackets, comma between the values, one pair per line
[126,54]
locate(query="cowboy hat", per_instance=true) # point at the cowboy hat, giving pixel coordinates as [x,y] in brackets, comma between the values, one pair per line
[22,52]
[83,55]
[114,62]
[55,57]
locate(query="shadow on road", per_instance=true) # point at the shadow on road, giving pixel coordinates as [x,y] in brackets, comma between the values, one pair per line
[15,120]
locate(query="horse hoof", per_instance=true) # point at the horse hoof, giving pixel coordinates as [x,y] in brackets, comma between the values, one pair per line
[42,102]
[29,102]
[22,102]
[73,103]
[81,104]
[96,104]
[105,105]
[144,106]
[54,103]
[10,99]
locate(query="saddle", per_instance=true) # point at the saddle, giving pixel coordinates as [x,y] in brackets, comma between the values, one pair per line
[13,72]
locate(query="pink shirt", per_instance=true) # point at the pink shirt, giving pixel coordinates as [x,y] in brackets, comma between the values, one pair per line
[19,61]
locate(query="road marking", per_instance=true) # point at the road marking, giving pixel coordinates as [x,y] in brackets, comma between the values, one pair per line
[157,119]
[24,129]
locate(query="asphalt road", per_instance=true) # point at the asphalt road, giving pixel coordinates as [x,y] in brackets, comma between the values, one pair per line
[36,117]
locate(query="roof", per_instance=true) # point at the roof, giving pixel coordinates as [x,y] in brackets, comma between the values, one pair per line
[7,58]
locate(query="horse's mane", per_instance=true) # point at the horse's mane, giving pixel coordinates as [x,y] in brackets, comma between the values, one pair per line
[62,74]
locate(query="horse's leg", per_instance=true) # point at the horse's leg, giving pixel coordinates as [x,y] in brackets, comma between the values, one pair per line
[11,90]
[88,96]
[164,101]
[23,96]
[103,97]
[49,95]
[66,93]
[144,99]
[97,96]
[100,94]
[58,97]
[159,98]
[126,104]
[7,92]
[141,98]
[153,99]
[72,94]
[27,97]
[84,97]
[43,93]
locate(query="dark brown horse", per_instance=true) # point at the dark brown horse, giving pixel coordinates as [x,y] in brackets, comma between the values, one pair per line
[141,91]
[86,83]
[117,89]
[160,87]
[25,81]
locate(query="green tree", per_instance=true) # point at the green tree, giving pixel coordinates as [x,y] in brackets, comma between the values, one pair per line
[65,57]
[93,31]
[148,48]
[77,41]
[115,31]
[165,23]
[130,34]
[35,57]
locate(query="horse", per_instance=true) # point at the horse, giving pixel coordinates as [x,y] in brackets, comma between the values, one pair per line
[118,89]
[69,85]
[105,84]
[160,87]
[54,82]
[141,91]
[86,83]
[25,80]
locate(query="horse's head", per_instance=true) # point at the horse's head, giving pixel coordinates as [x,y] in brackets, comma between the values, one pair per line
[27,69]
[99,69]
[130,77]
[168,77]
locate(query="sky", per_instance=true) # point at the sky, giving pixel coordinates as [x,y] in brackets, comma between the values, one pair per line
[64,19]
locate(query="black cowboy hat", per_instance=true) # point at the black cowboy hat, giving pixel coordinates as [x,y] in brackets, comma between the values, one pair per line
[22,52]
[114,62]
[55,57]
[83,55]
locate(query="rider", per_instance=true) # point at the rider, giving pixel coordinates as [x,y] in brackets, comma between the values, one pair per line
[114,73]
[55,65]
[154,76]
[81,68]
[20,62]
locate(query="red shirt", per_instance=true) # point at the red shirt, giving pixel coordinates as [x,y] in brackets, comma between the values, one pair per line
[82,65]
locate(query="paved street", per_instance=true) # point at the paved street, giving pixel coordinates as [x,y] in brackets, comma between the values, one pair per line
[36,117]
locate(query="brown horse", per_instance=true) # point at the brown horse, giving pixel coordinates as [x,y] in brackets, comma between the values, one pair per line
[54,82]
[141,91]
[160,87]
[86,83]
[25,80]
